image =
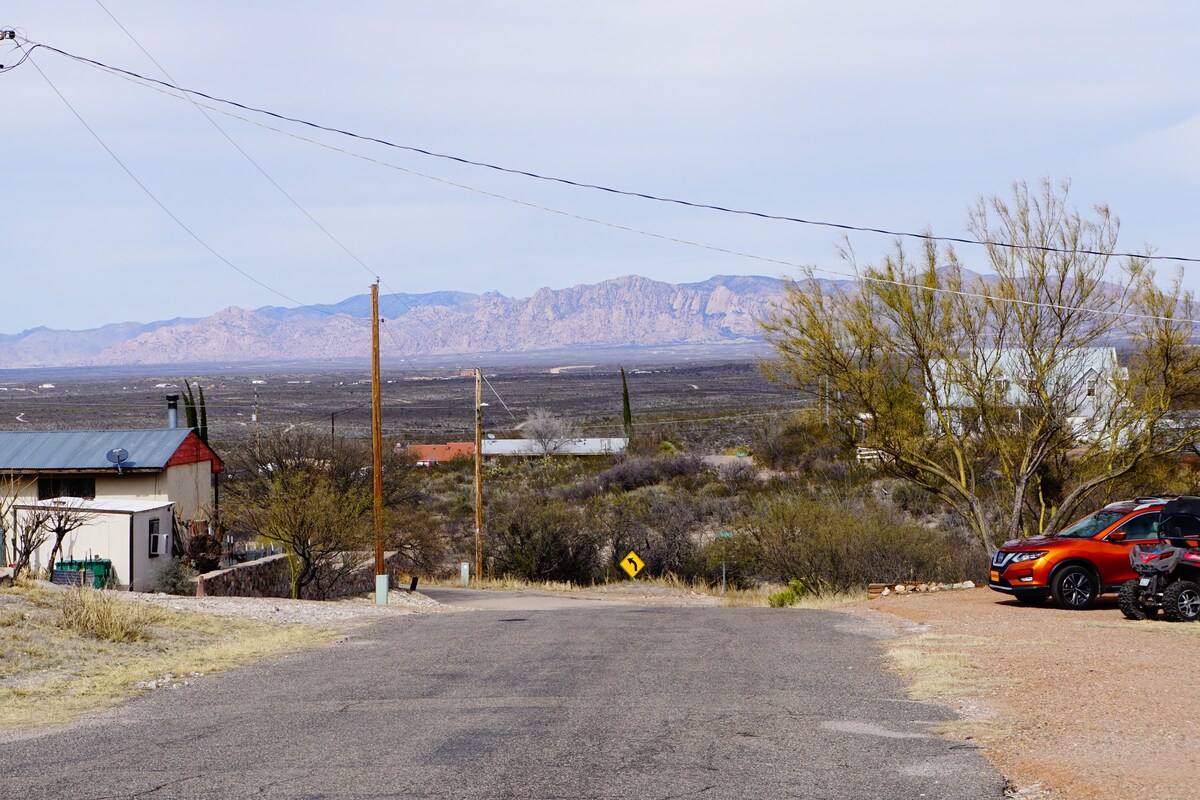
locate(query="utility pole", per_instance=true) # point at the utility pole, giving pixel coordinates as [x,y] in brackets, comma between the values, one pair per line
[478,476]
[381,578]
[254,419]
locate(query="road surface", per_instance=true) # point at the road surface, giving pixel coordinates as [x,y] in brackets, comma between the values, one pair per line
[523,697]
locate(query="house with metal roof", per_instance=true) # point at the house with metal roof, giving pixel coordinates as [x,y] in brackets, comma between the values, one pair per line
[602,446]
[427,455]
[165,465]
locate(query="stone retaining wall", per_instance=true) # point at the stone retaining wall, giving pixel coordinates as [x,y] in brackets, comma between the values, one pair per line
[271,577]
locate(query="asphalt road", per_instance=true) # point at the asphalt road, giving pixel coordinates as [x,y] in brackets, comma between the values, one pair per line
[528,698]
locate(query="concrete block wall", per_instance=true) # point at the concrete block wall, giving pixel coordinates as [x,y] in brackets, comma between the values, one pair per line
[271,577]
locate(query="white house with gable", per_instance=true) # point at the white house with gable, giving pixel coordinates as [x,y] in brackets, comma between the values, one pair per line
[1083,381]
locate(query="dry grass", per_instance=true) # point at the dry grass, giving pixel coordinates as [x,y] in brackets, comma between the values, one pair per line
[51,673]
[510,583]
[937,668]
[507,583]
[102,616]
[758,597]
[732,598]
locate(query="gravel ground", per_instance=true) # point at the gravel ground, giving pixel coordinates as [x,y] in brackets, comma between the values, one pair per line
[327,613]
[1073,704]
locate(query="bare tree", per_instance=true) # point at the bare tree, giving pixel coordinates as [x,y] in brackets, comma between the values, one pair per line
[971,387]
[10,494]
[63,516]
[29,533]
[551,432]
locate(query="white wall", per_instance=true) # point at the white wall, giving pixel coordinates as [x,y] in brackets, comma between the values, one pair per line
[108,535]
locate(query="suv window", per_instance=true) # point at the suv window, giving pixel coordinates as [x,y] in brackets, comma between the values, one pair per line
[1090,525]
[1143,526]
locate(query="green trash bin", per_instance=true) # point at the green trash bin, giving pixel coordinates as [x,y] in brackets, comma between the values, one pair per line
[100,568]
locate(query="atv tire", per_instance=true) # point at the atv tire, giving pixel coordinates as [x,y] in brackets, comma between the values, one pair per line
[1075,587]
[1181,601]
[1129,600]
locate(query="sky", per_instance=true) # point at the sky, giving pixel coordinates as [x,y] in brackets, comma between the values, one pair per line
[883,114]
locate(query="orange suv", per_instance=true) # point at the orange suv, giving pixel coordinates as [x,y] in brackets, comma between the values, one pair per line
[1081,562]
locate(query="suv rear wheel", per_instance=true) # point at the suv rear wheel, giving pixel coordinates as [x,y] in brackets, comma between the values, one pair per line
[1074,587]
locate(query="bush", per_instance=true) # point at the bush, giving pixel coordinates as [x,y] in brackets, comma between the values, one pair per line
[634,473]
[543,540]
[789,596]
[176,577]
[840,545]
[99,615]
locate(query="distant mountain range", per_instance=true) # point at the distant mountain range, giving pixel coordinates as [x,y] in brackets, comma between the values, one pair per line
[622,312]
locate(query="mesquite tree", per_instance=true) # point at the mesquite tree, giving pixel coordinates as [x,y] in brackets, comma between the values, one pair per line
[1003,394]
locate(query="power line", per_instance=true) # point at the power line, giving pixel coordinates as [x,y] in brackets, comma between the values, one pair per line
[262,171]
[856,276]
[162,205]
[190,232]
[826,270]
[616,191]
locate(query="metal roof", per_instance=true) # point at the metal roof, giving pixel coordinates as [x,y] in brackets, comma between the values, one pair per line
[87,450]
[111,505]
[564,447]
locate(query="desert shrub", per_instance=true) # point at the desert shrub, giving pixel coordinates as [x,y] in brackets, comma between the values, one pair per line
[789,595]
[99,615]
[547,540]
[671,522]
[738,475]
[804,443]
[839,545]
[176,577]
[634,473]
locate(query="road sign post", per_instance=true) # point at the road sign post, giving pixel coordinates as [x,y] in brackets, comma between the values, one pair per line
[723,535]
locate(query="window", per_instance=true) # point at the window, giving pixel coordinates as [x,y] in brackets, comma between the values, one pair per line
[1144,526]
[1091,388]
[53,486]
[156,540]
[1090,525]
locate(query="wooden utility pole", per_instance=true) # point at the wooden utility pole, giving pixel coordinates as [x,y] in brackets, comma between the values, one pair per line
[381,578]
[478,476]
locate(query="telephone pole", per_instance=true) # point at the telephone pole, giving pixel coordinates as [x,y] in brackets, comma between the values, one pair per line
[478,477]
[381,578]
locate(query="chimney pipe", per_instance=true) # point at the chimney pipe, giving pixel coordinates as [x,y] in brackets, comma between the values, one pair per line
[172,411]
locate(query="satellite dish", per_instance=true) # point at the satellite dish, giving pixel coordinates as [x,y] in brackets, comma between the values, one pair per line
[116,456]
[491,436]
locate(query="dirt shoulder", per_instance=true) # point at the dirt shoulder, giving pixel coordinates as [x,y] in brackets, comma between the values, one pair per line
[1077,704]
[52,673]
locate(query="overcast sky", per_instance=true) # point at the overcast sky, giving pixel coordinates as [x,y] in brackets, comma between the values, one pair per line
[886,114]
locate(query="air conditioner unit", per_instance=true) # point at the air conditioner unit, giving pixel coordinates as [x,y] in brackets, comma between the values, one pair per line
[158,544]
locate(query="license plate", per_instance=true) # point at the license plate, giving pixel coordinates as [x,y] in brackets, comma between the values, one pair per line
[1143,582]
[995,576]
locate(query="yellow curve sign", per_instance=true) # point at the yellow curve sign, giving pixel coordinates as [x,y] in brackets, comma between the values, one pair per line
[632,564]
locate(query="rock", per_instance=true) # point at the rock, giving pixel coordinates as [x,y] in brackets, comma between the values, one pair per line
[901,588]
[885,592]
[968,584]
